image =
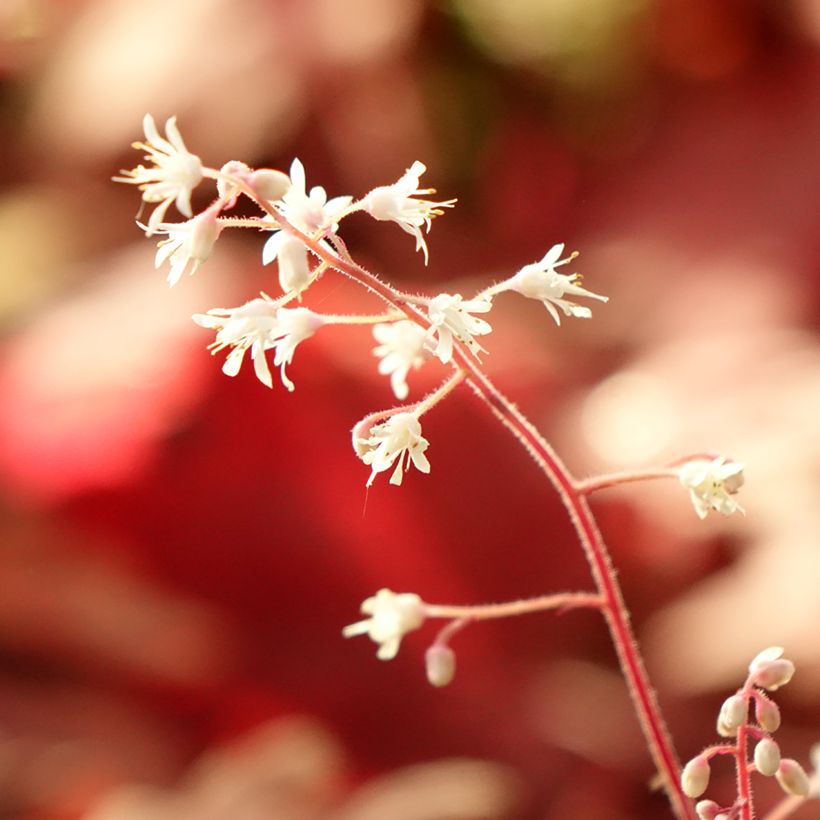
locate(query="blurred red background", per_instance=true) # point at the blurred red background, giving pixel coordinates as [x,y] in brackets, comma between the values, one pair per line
[179,550]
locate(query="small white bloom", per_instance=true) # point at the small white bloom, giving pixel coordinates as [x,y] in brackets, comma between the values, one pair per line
[294,270]
[450,316]
[767,713]
[392,616]
[707,810]
[712,484]
[188,243]
[395,203]
[401,347]
[172,177]
[397,440]
[311,212]
[541,281]
[260,325]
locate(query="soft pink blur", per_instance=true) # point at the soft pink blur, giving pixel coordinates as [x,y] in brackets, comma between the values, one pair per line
[180,550]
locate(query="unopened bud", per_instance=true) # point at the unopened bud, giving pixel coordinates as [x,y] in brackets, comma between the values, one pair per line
[732,715]
[792,778]
[769,670]
[225,187]
[440,662]
[270,184]
[767,757]
[695,777]
[707,810]
[768,714]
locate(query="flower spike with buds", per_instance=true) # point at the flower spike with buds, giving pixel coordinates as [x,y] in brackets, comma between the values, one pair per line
[173,176]
[712,484]
[401,347]
[395,203]
[541,281]
[188,242]
[451,317]
[260,325]
[397,440]
[392,616]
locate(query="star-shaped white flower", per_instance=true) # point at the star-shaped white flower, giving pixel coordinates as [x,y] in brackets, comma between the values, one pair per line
[396,203]
[541,281]
[392,616]
[172,177]
[188,243]
[712,484]
[260,325]
[401,347]
[398,441]
[450,317]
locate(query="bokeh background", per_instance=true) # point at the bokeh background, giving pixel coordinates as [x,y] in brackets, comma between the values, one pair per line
[179,550]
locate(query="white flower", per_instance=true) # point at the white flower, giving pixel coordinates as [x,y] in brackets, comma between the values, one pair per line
[401,348]
[392,616]
[395,203]
[450,317]
[188,242]
[399,440]
[771,671]
[541,281]
[294,270]
[311,212]
[711,485]
[173,176]
[260,325]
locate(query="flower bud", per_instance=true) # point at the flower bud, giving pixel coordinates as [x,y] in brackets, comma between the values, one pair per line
[224,187]
[732,715]
[769,670]
[440,662]
[774,674]
[270,184]
[695,776]
[707,810]
[768,715]
[792,778]
[767,757]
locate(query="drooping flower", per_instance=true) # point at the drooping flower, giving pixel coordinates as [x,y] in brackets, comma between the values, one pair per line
[188,243]
[712,484]
[450,317]
[294,270]
[401,347]
[173,175]
[396,203]
[398,441]
[541,281]
[260,325]
[392,616]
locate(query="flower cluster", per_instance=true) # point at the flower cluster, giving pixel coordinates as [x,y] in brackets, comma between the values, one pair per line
[398,441]
[768,671]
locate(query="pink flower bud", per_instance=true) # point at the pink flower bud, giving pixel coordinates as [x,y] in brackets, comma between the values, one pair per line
[774,674]
[768,715]
[440,662]
[792,778]
[767,757]
[707,810]
[732,715]
[270,184]
[695,777]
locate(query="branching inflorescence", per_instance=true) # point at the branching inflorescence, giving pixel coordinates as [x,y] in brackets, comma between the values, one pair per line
[410,330]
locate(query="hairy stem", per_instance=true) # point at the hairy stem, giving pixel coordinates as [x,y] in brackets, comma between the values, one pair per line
[615,612]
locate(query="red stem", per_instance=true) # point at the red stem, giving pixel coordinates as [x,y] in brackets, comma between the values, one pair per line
[615,611]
